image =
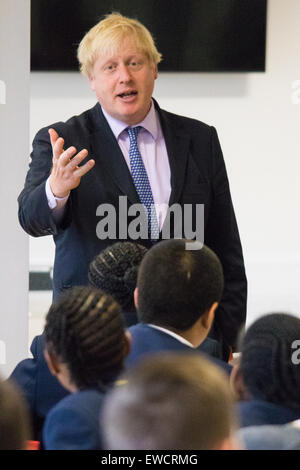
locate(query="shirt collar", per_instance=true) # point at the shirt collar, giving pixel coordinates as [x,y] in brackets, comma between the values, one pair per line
[175,335]
[296,423]
[149,123]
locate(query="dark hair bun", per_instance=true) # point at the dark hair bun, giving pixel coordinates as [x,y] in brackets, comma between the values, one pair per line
[115,270]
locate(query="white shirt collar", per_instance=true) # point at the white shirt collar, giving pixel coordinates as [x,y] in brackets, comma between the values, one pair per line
[149,123]
[175,335]
[296,423]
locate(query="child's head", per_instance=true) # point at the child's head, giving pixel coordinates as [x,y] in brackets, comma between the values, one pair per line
[176,286]
[115,271]
[267,366]
[170,401]
[14,418]
[85,338]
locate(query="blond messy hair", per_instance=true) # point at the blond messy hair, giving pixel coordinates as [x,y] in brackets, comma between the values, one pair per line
[107,35]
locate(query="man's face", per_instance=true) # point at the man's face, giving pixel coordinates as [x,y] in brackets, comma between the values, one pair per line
[124,82]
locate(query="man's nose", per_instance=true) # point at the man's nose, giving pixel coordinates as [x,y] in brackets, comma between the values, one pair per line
[124,73]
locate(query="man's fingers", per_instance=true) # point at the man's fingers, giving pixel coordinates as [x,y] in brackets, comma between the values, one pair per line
[82,170]
[78,158]
[53,136]
[57,143]
[65,157]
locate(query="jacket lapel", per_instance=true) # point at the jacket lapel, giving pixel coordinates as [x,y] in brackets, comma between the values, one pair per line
[177,143]
[105,148]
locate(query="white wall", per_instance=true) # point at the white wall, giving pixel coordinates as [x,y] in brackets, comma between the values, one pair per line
[14,138]
[257,118]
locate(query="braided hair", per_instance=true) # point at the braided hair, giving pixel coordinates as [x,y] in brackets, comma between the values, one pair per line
[115,269]
[266,364]
[85,330]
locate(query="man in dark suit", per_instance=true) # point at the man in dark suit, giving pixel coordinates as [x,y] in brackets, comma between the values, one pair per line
[181,163]
[177,294]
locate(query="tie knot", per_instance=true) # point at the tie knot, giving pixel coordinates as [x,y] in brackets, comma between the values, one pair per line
[133,133]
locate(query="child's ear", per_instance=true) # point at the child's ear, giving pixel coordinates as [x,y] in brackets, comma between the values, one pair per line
[52,363]
[127,347]
[208,318]
[237,384]
[136,298]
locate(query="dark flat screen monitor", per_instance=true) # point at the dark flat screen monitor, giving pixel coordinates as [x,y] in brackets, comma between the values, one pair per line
[192,35]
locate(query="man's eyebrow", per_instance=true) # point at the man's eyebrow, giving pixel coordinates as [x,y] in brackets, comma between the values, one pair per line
[138,56]
[114,59]
[108,61]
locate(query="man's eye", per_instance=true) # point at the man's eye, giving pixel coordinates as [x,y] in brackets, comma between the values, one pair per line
[134,64]
[110,67]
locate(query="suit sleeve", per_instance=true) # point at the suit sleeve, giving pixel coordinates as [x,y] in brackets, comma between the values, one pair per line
[35,216]
[222,236]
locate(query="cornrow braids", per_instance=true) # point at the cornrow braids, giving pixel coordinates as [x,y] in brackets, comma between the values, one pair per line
[115,270]
[85,330]
[267,367]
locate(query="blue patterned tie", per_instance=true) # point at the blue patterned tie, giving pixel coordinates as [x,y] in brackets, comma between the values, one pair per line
[141,181]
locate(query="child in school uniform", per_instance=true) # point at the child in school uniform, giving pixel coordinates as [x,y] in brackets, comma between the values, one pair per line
[85,349]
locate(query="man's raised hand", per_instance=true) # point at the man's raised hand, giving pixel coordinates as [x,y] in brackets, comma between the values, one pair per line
[66,174]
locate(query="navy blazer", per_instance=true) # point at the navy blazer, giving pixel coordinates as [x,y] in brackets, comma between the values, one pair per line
[259,412]
[270,437]
[41,389]
[73,424]
[198,176]
[146,340]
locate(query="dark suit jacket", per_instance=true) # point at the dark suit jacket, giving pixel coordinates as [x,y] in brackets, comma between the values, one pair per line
[259,412]
[73,424]
[147,340]
[198,176]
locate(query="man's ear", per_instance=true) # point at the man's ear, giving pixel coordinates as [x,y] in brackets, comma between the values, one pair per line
[92,81]
[136,298]
[52,363]
[208,318]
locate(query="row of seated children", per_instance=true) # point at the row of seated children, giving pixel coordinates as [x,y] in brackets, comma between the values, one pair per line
[115,271]
[178,291]
[179,401]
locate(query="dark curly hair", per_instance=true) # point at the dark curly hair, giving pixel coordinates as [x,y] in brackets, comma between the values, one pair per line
[85,330]
[115,270]
[268,370]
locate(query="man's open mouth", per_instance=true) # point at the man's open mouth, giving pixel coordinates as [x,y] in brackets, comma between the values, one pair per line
[128,93]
